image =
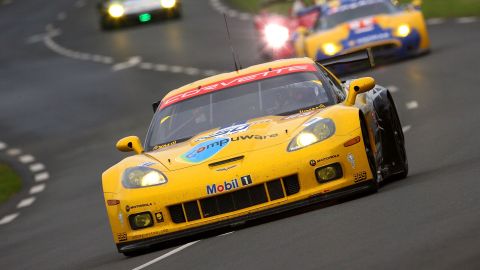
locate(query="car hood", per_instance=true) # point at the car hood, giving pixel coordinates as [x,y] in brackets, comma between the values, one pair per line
[217,145]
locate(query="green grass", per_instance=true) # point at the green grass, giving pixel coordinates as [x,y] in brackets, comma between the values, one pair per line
[9,182]
[431,8]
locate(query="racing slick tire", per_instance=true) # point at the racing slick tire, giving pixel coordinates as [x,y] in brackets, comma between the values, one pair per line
[396,142]
[374,184]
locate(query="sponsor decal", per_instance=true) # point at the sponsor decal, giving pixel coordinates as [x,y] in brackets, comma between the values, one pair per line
[148,235]
[321,106]
[372,38]
[160,146]
[360,176]
[128,207]
[147,164]
[235,81]
[298,115]
[351,160]
[226,168]
[315,162]
[205,150]
[226,131]
[229,185]
[253,137]
[120,218]
[122,236]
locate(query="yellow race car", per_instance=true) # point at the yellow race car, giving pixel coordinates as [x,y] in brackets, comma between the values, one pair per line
[251,143]
[346,26]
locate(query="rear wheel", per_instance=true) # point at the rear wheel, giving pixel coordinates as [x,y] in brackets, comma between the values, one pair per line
[374,185]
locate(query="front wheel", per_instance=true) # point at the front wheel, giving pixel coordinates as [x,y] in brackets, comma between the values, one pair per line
[374,184]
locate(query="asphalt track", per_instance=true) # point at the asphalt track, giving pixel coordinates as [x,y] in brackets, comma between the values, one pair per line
[69,113]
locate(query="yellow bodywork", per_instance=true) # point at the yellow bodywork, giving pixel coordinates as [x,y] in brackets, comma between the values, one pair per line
[308,44]
[263,149]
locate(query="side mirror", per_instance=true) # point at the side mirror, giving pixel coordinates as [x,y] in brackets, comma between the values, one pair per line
[130,143]
[359,86]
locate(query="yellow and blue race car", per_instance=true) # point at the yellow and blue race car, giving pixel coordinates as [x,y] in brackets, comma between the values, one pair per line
[248,144]
[346,26]
[115,13]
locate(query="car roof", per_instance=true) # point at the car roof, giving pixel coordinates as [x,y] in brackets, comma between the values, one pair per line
[241,72]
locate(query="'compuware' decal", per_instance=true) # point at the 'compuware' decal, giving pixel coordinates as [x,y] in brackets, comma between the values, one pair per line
[236,81]
[205,150]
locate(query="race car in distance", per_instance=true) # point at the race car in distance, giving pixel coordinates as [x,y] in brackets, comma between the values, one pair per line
[346,26]
[114,13]
[251,143]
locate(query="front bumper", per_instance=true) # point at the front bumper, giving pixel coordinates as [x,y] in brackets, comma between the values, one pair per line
[149,242]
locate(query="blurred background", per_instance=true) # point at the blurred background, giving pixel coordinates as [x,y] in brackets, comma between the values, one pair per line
[77,75]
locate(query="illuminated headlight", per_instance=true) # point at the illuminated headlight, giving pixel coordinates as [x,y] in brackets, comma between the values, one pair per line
[138,177]
[168,3]
[141,220]
[276,35]
[330,49]
[403,30]
[116,10]
[314,133]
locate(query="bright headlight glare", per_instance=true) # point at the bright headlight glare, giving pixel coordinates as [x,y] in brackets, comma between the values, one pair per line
[330,49]
[116,10]
[316,132]
[138,177]
[403,30]
[168,3]
[276,35]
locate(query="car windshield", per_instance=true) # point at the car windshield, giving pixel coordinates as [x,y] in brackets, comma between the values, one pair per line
[281,95]
[348,14]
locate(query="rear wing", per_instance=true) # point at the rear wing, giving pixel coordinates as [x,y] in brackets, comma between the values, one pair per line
[349,62]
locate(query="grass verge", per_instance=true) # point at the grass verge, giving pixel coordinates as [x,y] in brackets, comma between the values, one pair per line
[9,182]
[431,8]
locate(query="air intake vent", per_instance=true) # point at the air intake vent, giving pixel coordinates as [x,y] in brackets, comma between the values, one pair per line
[176,213]
[292,186]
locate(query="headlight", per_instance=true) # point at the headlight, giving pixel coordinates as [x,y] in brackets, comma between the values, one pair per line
[276,35]
[403,30]
[330,49]
[138,177]
[116,10]
[168,3]
[316,132]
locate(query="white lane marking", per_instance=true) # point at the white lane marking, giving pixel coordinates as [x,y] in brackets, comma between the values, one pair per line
[411,105]
[192,71]
[210,72]
[26,159]
[146,65]
[392,88]
[61,16]
[3,146]
[168,254]
[40,177]
[8,218]
[226,233]
[37,167]
[26,202]
[221,8]
[406,128]
[131,62]
[14,152]
[37,189]
[467,20]
[161,67]
[176,69]
[435,21]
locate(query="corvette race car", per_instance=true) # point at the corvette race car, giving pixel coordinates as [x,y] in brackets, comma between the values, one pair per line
[346,26]
[248,144]
[120,12]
